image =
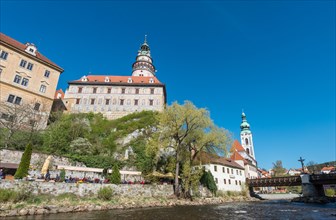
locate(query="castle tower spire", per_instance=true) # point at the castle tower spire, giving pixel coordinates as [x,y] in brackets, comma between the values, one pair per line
[246,136]
[143,65]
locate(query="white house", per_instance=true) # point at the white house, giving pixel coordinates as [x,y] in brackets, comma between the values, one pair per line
[228,175]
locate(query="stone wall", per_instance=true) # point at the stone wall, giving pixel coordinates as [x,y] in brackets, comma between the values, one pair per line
[37,159]
[88,189]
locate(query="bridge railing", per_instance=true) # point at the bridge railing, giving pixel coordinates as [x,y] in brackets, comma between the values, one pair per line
[275,181]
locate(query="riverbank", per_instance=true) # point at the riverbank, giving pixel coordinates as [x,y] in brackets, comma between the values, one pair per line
[53,205]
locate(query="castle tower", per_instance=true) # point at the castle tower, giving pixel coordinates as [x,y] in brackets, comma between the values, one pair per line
[246,137]
[143,66]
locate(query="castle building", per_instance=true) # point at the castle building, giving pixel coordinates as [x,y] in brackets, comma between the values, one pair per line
[244,153]
[117,96]
[28,83]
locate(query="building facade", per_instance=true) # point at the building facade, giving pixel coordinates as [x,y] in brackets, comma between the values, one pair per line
[228,175]
[244,153]
[117,96]
[28,83]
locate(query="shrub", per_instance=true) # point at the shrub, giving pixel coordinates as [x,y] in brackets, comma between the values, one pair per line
[22,171]
[115,176]
[330,192]
[105,193]
[208,181]
[7,195]
[62,175]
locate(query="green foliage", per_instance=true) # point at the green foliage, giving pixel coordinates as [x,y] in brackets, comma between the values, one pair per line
[278,169]
[105,193]
[23,168]
[62,175]
[115,176]
[8,195]
[208,181]
[330,192]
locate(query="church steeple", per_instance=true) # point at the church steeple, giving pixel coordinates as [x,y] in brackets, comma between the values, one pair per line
[246,137]
[244,126]
[143,66]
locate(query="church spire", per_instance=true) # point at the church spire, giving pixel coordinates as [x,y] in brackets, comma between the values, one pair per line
[244,126]
[143,66]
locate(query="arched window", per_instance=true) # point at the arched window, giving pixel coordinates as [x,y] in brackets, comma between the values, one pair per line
[247,150]
[246,141]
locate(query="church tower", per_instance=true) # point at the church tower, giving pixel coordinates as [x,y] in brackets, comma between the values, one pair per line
[246,137]
[143,66]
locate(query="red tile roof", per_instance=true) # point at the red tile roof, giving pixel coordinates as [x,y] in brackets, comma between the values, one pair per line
[237,156]
[206,158]
[118,79]
[14,43]
[236,146]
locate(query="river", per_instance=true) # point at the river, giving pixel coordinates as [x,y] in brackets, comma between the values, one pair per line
[271,209]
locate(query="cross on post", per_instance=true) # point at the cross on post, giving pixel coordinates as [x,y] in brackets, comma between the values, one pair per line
[302,164]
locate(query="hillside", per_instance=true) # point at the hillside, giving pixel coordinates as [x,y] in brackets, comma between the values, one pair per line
[93,140]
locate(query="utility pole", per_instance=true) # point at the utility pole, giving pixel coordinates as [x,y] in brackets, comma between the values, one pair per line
[302,164]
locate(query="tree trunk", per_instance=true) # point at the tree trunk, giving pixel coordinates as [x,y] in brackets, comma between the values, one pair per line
[177,170]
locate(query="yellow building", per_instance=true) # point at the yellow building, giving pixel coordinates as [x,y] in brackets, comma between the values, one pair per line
[28,83]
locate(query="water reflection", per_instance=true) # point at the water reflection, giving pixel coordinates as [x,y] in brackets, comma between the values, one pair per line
[247,210]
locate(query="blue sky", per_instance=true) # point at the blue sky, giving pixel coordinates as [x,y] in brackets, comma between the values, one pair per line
[274,59]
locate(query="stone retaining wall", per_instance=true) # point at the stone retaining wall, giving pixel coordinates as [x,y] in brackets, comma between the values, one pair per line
[88,189]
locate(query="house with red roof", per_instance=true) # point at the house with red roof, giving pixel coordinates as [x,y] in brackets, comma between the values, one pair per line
[117,96]
[227,173]
[328,169]
[28,82]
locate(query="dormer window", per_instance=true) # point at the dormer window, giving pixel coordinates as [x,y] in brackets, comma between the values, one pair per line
[107,79]
[31,48]
[151,80]
[84,79]
[129,80]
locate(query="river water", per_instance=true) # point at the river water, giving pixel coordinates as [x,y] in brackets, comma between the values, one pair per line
[238,210]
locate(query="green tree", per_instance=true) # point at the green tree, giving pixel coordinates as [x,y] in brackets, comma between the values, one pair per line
[62,175]
[278,169]
[23,168]
[115,175]
[208,181]
[189,131]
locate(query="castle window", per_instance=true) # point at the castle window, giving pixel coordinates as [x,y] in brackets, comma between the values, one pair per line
[151,102]
[237,172]
[152,91]
[17,79]
[223,169]
[23,63]
[30,66]
[231,171]
[4,55]
[43,88]
[215,168]
[108,90]
[136,91]
[248,151]
[107,101]
[37,106]
[136,101]
[92,101]
[122,101]
[239,183]
[25,82]
[240,173]
[123,91]
[77,101]
[227,170]
[229,181]
[80,89]
[11,98]
[17,100]
[216,180]
[236,182]
[47,73]
[246,141]
[224,181]
[94,90]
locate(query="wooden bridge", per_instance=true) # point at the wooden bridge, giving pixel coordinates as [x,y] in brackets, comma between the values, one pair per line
[312,184]
[316,179]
